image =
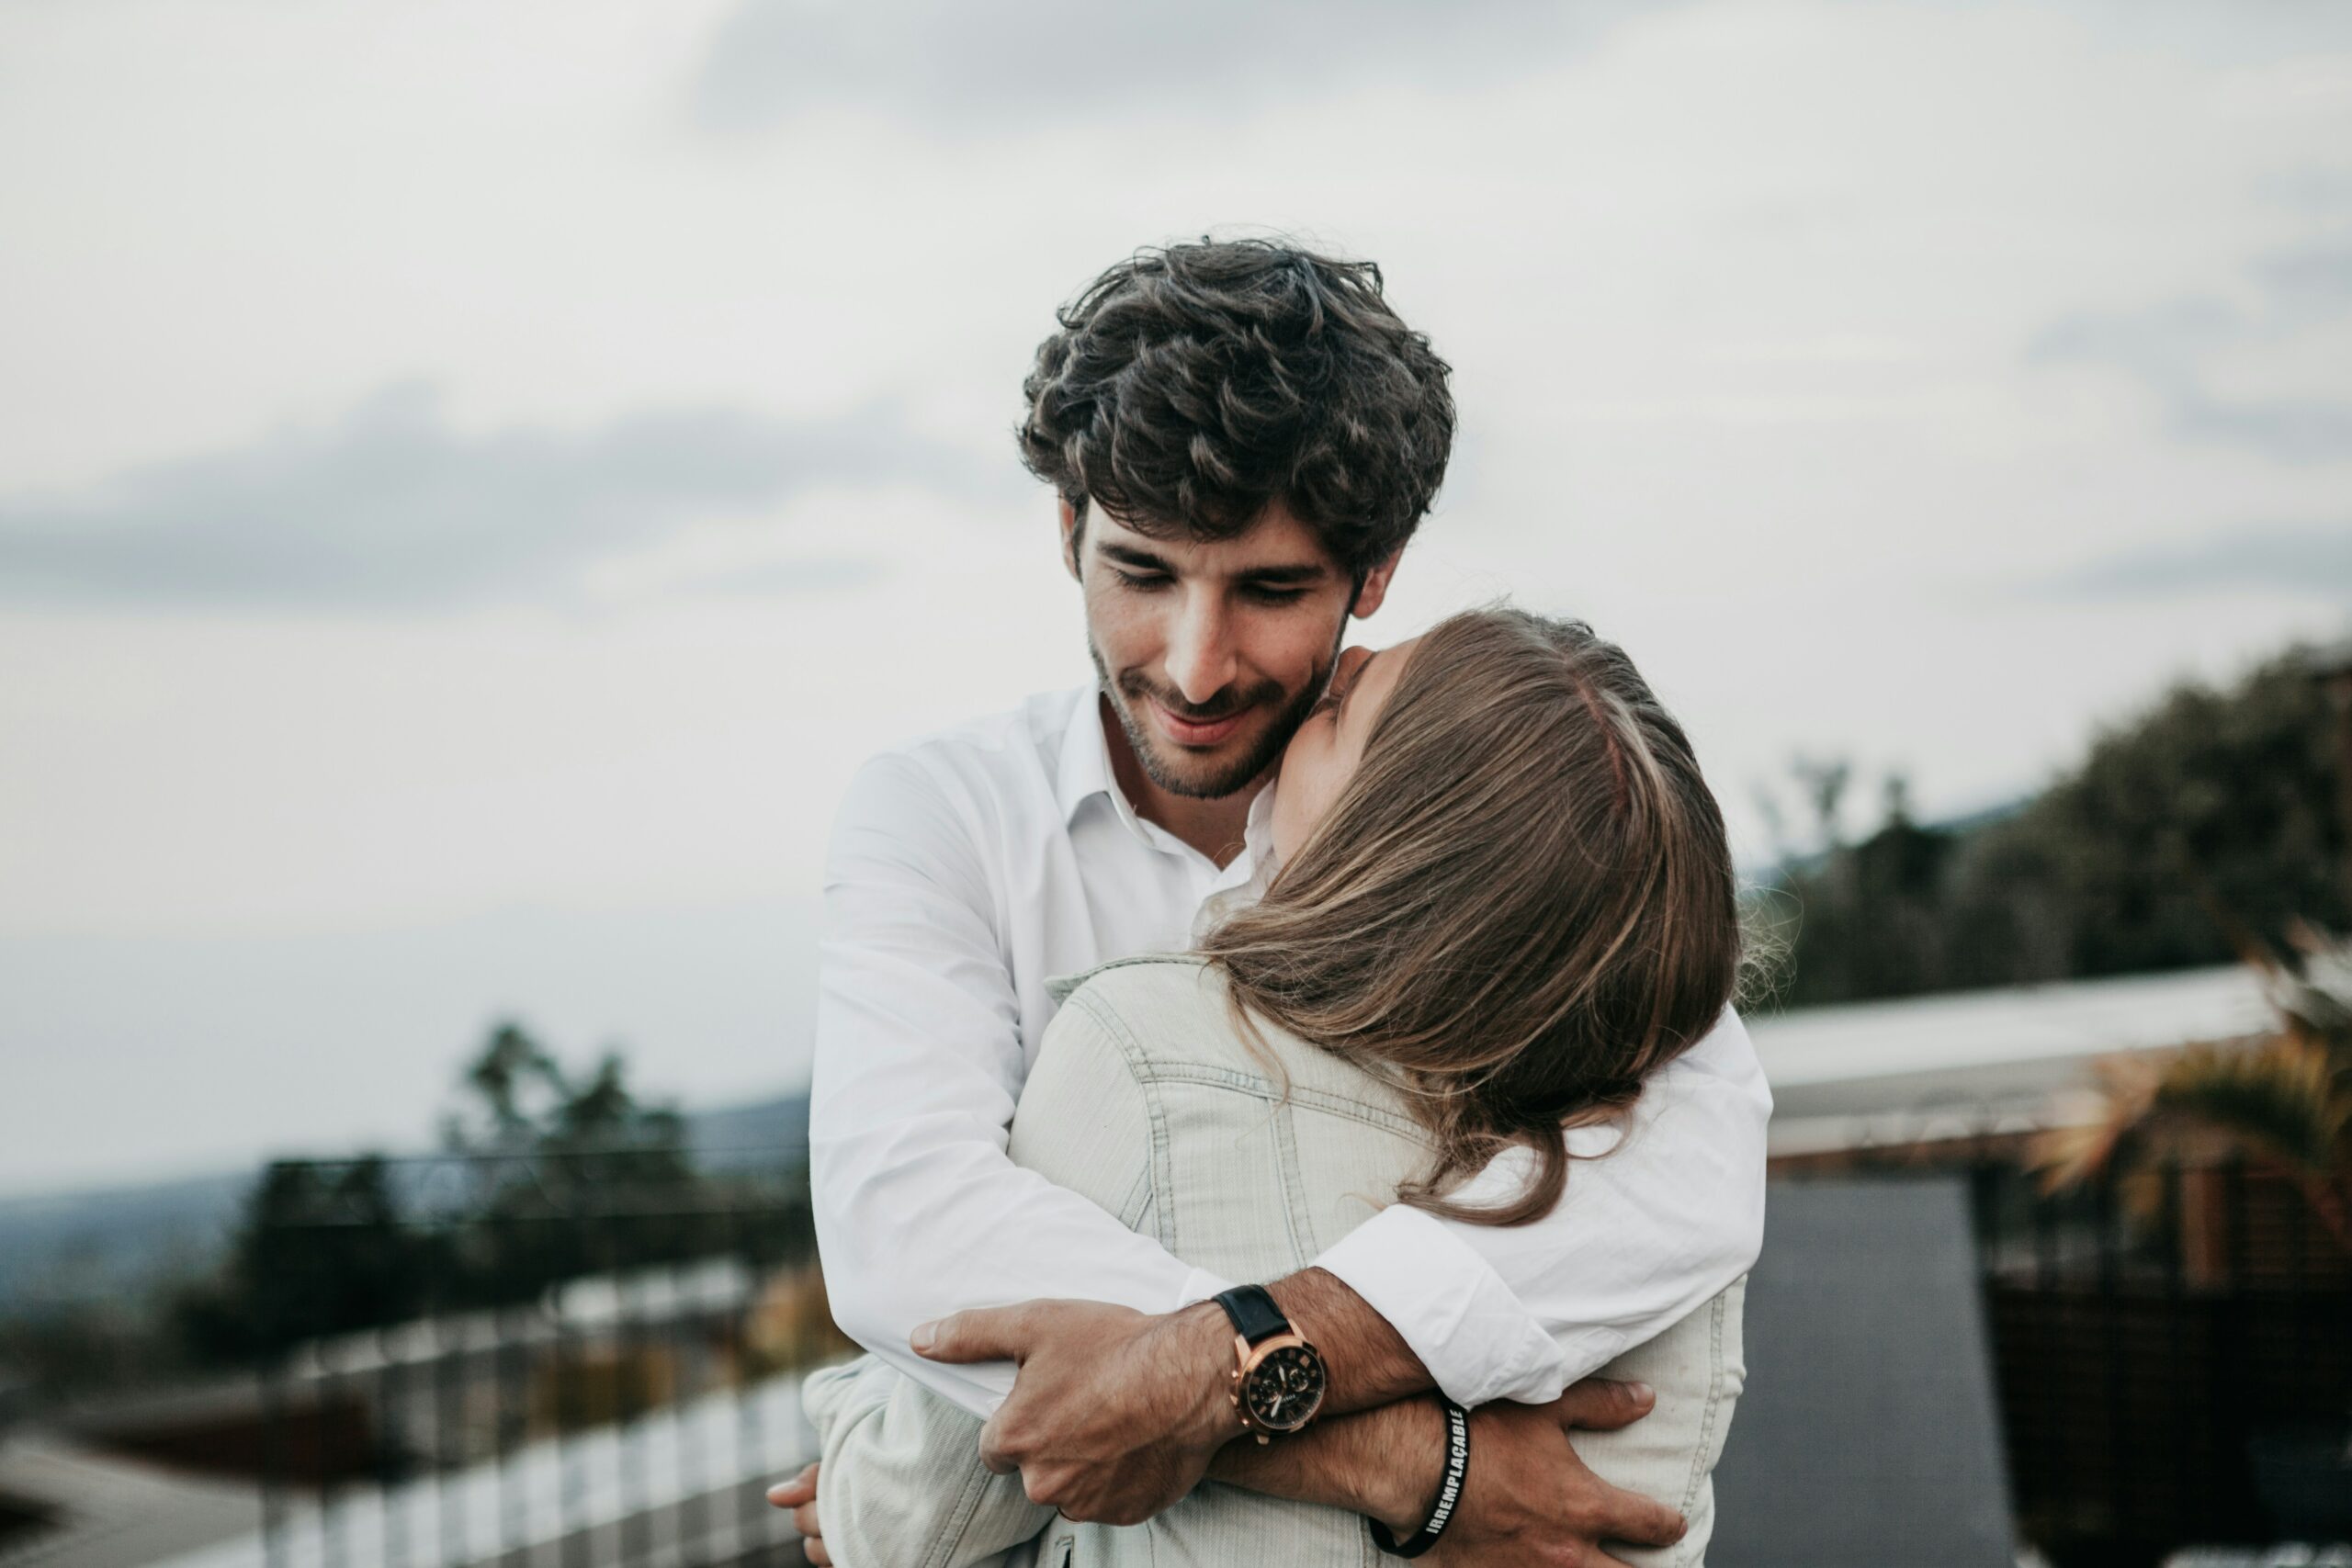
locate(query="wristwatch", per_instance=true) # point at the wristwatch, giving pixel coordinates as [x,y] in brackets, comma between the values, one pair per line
[1278,1377]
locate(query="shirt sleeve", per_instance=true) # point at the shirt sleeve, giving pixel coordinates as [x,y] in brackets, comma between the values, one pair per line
[1653,1223]
[920,1211]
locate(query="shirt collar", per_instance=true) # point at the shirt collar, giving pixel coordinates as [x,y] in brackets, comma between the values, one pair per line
[1245,881]
[1086,756]
[1086,768]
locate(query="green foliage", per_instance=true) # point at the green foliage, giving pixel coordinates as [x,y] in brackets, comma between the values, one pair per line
[2211,801]
[546,1177]
[322,1250]
[87,1346]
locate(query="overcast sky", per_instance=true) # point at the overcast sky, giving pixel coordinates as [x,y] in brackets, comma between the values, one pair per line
[475,477]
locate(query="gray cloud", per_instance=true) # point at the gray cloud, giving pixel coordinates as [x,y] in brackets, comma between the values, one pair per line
[2301,430]
[2323,190]
[1039,61]
[389,507]
[808,575]
[2169,348]
[2313,559]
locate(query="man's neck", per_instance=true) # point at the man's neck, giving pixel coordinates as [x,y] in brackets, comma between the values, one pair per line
[1213,826]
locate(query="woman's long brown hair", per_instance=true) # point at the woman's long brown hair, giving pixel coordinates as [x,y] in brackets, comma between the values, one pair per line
[1520,906]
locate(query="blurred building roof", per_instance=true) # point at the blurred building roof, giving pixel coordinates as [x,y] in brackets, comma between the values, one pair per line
[110,1512]
[1971,1062]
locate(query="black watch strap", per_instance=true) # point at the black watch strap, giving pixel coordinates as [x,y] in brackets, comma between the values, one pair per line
[1449,1490]
[1255,1316]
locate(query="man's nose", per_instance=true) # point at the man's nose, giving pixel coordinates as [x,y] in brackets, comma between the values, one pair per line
[1200,660]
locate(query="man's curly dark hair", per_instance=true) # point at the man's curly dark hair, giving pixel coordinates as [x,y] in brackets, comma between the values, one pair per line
[1191,387]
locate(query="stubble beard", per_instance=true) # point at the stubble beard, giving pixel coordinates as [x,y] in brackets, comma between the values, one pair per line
[1130,688]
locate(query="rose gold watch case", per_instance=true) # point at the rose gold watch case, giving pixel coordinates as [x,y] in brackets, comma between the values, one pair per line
[1246,1358]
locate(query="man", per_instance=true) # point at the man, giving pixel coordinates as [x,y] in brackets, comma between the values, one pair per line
[1243,437]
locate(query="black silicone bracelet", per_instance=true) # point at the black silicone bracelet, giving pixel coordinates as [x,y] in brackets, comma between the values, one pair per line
[1449,1491]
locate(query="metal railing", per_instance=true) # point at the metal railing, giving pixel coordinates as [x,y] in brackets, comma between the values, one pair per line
[601,1368]
[593,1363]
[2174,1348]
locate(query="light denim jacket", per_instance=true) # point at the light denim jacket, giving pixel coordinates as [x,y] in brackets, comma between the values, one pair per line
[1143,1099]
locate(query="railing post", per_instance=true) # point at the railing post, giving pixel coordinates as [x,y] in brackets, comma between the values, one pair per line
[2187,1507]
[752,1448]
[2105,1240]
[687,1325]
[448,1440]
[391,1389]
[270,1374]
[510,1398]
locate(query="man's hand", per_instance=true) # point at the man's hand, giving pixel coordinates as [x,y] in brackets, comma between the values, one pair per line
[799,1495]
[1530,1500]
[1115,1414]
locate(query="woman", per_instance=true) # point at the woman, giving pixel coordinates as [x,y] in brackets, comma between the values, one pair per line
[1505,898]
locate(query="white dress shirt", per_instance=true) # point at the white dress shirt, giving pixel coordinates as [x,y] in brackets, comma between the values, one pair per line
[968,869]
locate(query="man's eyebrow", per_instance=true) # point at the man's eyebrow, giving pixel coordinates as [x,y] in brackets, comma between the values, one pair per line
[1282,574]
[1127,555]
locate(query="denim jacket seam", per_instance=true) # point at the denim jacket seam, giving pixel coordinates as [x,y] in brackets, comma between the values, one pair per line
[1299,1219]
[1217,1076]
[1717,1311]
[1137,1202]
[1138,1064]
[968,1509]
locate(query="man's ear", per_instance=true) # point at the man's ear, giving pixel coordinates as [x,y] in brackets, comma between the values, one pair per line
[1375,586]
[1072,539]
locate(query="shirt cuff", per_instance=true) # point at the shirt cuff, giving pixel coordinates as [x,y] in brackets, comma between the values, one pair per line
[1479,1343]
[1199,1286]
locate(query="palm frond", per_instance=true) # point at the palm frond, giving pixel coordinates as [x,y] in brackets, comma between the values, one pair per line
[2278,1097]
[2068,1156]
[2285,1101]
[2316,998]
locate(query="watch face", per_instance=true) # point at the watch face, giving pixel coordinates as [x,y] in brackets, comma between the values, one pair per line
[1285,1389]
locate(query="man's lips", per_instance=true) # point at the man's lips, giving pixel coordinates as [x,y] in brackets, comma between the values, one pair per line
[1187,732]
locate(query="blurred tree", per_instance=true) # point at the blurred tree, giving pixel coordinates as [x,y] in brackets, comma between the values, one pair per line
[84,1346]
[569,1177]
[322,1250]
[1824,781]
[2212,800]
[546,1177]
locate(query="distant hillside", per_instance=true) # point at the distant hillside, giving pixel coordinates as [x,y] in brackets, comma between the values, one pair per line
[772,1133]
[81,1246]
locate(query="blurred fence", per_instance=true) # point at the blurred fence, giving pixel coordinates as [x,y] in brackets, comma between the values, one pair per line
[2174,1361]
[599,1370]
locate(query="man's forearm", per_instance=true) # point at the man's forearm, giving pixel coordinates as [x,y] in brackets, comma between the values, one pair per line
[1384,1463]
[1368,1361]
[1379,1446]
[1116,1414]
